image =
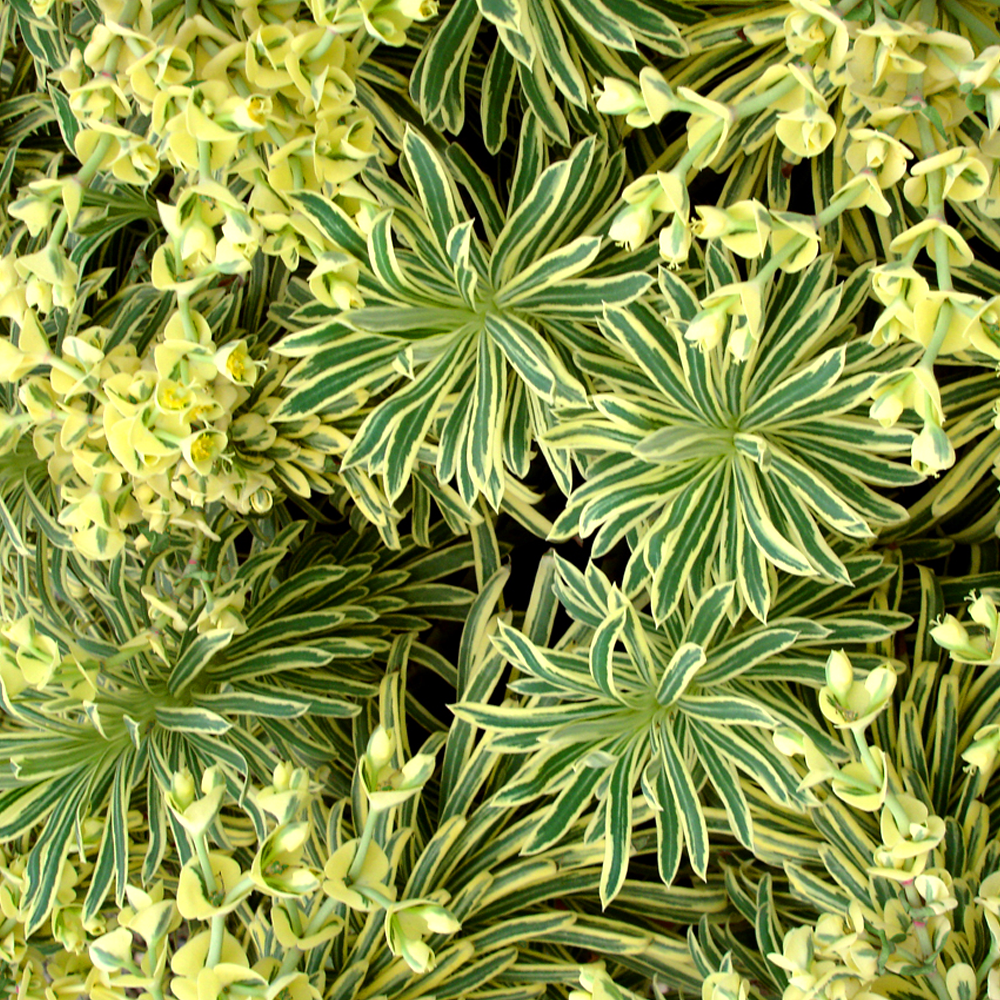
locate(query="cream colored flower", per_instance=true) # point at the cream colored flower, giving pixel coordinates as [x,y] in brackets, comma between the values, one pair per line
[965,647]
[234,363]
[294,986]
[277,869]
[334,280]
[989,899]
[149,914]
[631,226]
[50,279]
[962,176]
[31,350]
[675,242]
[203,449]
[657,96]
[743,227]
[408,923]
[618,97]
[932,450]
[37,655]
[707,128]
[959,322]
[742,301]
[859,703]
[879,152]
[371,879]
[708,327]
[856,786]
[289,793]
[806,131]
[817,31]
[799,233]
[384,785]
[113,951]
[193,980]
[959,254]
[918,836]
[197,899]
[912,388]
[196,814]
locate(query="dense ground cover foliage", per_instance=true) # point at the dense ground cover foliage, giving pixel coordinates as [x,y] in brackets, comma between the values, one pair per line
[499,500]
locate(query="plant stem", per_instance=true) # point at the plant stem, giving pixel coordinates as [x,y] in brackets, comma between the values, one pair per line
[362,849]
[919,927]
[215,942]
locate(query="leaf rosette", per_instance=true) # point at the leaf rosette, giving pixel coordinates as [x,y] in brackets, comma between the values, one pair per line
[169,694]
[695,695]
[719,469]
[468,340]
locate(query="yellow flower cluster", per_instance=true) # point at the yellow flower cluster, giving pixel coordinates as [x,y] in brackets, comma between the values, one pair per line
[887,937]
[244,113]
[212,961]
[53,962]
[300,912]
[911,111]
[132,439]
[876,947]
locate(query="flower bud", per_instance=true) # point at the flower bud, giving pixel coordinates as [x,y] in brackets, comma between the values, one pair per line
[982,753]
[409,922]
[631,226]
[617,97]
[805,131]
[839,675]
[952,635]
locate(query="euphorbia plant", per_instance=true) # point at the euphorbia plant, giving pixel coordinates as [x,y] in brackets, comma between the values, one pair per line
[303,364]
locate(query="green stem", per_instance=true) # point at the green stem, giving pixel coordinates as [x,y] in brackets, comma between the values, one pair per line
[763,102]
[242,886]
[321,48]
[789,250]
[205,159]
[86,173]
[201,846]
[374,896]
[920,928]
[187,322]
[128,16]
[940,331]
[942,265]
[59,229]
[290,961]
[215,942]
[894,805]
[53,361]
[836,207]
[123,656]
[687,161]
[322,915]
[359,855]
[982,970]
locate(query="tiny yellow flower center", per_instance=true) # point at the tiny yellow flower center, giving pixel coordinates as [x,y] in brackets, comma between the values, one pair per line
[201,449]
[237,365]
[175,400]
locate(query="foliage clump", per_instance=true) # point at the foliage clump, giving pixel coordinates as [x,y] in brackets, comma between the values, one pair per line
[498,499]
